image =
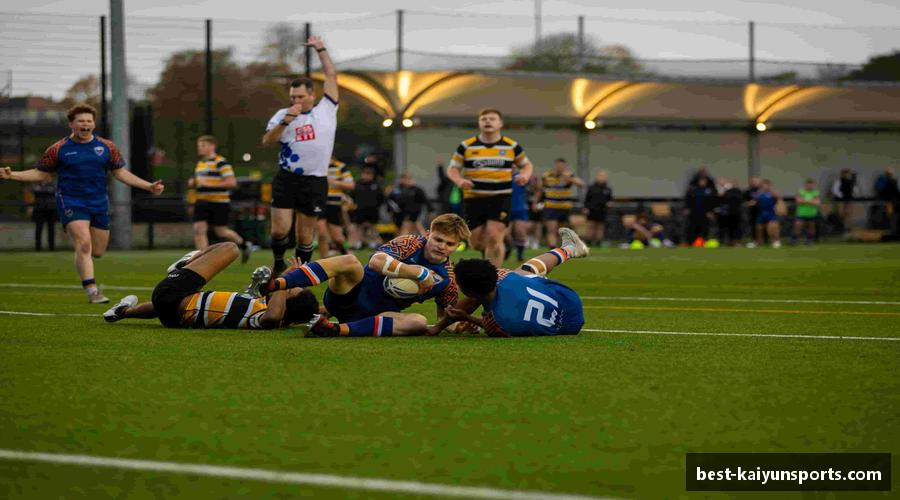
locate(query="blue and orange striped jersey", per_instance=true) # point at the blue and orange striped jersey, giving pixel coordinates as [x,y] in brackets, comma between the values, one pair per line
[338,171]
[410,249]
[559,190]
[223,310]
[209,174]
[488,166]
[81,170]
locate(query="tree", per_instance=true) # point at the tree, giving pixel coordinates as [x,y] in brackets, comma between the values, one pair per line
[885,68]
[284,45]
[85,90]
[559,53]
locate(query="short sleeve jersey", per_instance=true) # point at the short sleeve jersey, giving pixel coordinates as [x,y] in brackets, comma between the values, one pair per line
[766,200]
[223,310]
[81,170]
[522,306]
[307,143]
[410,249]
[559,191]
[337,171]
[488,166]
[805,210]
[209,175]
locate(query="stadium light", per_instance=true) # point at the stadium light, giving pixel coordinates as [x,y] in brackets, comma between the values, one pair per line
[407,122]
[762,127]
[387,123]
[590,124]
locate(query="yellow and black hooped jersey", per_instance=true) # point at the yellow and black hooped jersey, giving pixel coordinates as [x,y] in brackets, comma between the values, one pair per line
[559,191]
[209,175]
[337,171]
[223,310]
[488,166]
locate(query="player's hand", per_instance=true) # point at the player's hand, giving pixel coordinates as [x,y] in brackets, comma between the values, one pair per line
[465,184]
[157,187]
[457,314]
[293,263]
[433,330]
[316,42]
[466,327]
[428,283]
[522,179]
[5,173]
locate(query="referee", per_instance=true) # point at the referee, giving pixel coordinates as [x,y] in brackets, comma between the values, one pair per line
[305,132]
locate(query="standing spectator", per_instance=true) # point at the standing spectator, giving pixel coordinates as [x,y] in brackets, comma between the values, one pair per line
[305,133]
[442,191]
[731,204]
[482,166]
[411,202]
[699,202]
[844,191]
[367,200]
[750,195]
[595,204]
[81,162]
[558,185]
[807,212]
[42,211]
[702,173]
[887,191]
[213,179]
[766,218]
[330,225]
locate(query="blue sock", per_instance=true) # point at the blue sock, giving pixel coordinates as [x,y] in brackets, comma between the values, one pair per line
[376,326]
[310,274]
[88,283]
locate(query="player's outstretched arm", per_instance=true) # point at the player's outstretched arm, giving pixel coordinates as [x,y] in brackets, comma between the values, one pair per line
[330,86]
[30,175]
[126,177]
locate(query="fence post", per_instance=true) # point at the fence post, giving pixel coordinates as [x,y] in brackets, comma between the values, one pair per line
[121,193]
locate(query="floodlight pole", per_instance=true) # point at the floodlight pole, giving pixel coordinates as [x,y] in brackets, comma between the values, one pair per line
[209,78]
[104,111]
[120,192]
[307,50]
[580,43]
[400,131]
[752,59]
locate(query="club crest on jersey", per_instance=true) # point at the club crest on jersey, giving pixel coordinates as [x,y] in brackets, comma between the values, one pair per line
[502,153]
[98,150]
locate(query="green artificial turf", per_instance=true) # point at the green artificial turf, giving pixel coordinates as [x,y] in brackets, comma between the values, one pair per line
[603,413]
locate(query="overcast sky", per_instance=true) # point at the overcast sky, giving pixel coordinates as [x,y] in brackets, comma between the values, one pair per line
[49,44]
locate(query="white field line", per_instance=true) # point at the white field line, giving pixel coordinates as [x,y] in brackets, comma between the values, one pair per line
[594,297]
[769,335]
[766,301]
[22,313]
[72,287]
[273,476]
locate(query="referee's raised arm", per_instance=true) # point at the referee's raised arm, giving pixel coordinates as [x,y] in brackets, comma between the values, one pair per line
[330,86]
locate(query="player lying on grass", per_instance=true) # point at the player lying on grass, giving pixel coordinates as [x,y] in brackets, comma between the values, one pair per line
[178,301]
[522,302]
[356,294]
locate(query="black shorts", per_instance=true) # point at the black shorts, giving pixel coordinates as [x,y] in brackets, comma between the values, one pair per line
[557,214]
[306,194]
[334,215]
[169,293]
[597,215]
[213,213]
[343,307]
[480,210]
[365,215]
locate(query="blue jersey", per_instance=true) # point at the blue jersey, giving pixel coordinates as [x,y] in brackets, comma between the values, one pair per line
[518,201]
[765,200]
[81,171]
[532,305]
[373,300]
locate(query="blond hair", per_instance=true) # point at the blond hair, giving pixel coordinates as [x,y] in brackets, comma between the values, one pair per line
[451,224]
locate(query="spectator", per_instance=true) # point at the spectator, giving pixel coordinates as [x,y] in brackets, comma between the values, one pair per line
[749,196]
[807,212]
[731,204]
[367,198]
[698,205]
[43,212]
[766,219]
[886,190]
[595,205]
[443,190]
[703,173]
[647,232]
[844,191]
[410,202]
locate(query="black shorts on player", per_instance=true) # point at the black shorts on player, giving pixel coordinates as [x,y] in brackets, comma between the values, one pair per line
[482,209]
[306,194]
[334,215]
[169,293]
[215,214]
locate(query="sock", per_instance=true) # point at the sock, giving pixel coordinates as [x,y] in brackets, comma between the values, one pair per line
[310,274]
[280,246]
[341,248]
[304,253]
[562,253]
[90,286]
[376,326]
[520,249]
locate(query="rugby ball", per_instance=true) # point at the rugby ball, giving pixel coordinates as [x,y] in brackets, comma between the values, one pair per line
[401,288]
